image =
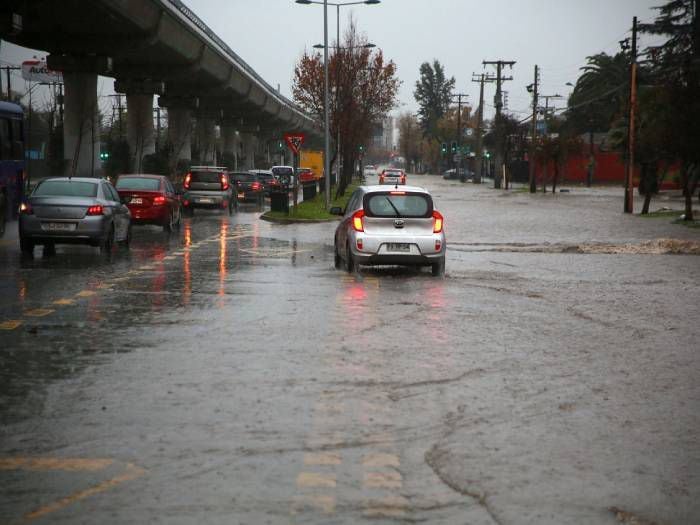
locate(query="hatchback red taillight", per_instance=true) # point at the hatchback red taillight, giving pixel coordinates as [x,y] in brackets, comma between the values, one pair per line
[358,221]
[158,200]
[224,182]
[26,209]
[403,179]
[255,186]
[188,181]
[438,221]
[95,210]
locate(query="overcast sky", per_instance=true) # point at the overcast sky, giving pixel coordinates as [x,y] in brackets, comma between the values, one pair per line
[555,34]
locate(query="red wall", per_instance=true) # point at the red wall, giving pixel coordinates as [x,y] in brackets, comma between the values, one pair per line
[610,169]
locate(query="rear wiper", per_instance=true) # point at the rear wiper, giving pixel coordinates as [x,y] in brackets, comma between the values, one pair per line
[392,205]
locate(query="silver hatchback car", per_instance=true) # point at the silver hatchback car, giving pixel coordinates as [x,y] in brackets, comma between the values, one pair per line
[383,225]
[74,210]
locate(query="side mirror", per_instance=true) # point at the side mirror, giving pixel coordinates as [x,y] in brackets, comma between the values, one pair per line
[336,210]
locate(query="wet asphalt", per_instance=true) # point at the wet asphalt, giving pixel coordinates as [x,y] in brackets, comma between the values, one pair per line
[229,374]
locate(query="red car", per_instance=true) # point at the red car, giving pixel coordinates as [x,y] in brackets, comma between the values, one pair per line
[306,175]
[151,199]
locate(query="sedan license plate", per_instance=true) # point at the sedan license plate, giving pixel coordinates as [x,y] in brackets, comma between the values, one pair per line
[58,226]
[241,195]
[205,201]
[136,200]
[403,247]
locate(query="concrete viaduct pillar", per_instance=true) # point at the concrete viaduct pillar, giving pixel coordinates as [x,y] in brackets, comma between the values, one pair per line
[249,142]
[206,138]
[230,141]
[139,128]
[81,128]
[180,132]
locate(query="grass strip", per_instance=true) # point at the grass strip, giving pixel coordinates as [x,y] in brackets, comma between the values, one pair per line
[314,209]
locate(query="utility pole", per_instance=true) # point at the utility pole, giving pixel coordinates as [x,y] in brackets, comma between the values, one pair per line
[8,70]
[459,129]
[481,79]
[533,142]
[629,179]
[499,107]
[157,110]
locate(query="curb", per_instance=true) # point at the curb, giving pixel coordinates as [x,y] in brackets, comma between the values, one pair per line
[276,220]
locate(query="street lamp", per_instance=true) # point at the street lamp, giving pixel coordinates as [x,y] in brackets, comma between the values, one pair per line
[326,132]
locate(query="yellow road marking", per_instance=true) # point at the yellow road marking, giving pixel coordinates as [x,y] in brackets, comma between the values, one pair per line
[86,293]
[120,279]
[381,460]
[322,458]
[39,312]
[326,504]
[10,325]
[63,302]
[389,507]
[105,286]
[314,479]
[67,464]
[130,473]
[383,480]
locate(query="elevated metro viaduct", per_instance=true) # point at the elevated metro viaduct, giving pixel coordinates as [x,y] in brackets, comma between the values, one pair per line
[151,47]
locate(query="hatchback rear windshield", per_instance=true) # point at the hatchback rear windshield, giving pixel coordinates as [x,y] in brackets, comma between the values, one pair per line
[245,177]
[283,171]
[398,205]
[138,183]
[66,188]
[266,176]
[211,177]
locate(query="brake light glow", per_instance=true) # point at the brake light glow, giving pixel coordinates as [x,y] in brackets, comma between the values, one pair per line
[188,180]
[159,200]
[224,181]
[95,210]
[437,222]
[403,179]
[26,208]
[397,193]
[255,186]
[357,221]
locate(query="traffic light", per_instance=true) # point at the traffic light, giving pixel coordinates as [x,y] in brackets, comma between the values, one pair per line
[454,147]
[362,148]
[443,149]
[280,145]
[104,155]
[487,154]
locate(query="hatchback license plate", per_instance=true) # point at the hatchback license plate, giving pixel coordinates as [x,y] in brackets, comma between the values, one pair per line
[398,247]
[58,226]
[205,201]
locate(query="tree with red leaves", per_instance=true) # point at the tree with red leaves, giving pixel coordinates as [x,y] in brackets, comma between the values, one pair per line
[363,89]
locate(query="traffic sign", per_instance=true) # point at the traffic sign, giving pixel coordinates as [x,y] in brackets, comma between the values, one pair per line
[294,141]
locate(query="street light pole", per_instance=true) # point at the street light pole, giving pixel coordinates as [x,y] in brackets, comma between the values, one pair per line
[326,130]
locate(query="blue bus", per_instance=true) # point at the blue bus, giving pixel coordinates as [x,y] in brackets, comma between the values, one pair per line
[12,163]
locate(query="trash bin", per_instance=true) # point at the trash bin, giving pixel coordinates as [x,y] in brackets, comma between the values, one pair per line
[279,201]
[309,190]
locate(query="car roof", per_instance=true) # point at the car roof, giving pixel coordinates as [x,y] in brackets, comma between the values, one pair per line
[142,175]
[375,188]
[288,167]
[76,179]
[266,172]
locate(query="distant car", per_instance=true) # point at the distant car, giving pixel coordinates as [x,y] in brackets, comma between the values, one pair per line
[306,175]
[267,179]
[151,199]
[248,187]
[392,176]
[462,174]
[386,226]
[285,175]
[75,210]
[208,187]
[369,170]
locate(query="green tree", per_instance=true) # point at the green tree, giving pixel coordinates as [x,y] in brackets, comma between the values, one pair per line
[433,93]
[675,67]
[600,95]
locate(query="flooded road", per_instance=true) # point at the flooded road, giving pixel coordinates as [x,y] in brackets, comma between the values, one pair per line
[228,374]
